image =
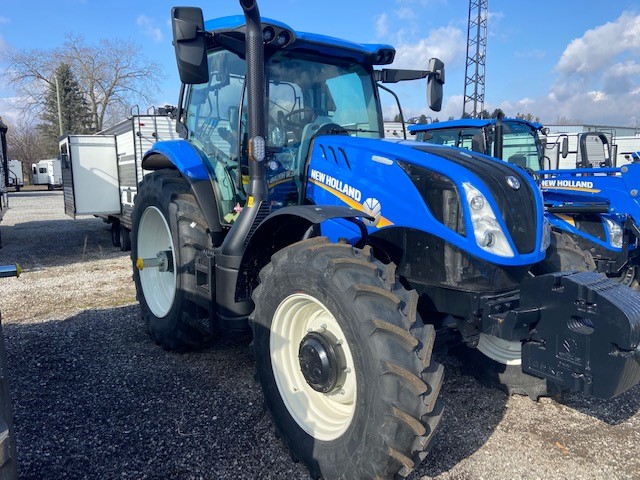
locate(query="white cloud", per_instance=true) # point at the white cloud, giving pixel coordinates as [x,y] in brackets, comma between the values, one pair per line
[597,79]
[597,96]
[446,43]
[595,49]
[149,27]
[405,13]
[382,25]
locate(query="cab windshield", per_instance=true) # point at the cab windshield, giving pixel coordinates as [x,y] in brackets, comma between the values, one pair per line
[307,96]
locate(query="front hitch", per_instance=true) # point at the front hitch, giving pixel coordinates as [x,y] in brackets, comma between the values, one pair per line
[587,336]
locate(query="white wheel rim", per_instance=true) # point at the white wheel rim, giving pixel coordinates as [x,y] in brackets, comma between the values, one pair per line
[502,351]
[323,416]
[159,288]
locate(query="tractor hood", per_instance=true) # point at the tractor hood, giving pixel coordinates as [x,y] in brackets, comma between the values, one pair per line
[490,209]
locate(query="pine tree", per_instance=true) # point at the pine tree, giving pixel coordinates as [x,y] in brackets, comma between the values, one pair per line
[76,117]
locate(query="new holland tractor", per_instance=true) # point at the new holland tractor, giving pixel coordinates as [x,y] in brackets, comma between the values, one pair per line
[594,205]
[283,211]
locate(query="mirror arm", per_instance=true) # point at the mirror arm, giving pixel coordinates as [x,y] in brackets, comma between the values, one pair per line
[389,75]
[181,128]
[404,128]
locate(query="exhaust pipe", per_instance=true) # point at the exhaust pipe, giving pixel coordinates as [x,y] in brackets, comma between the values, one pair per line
[256,88]
[234,243]
[229,257]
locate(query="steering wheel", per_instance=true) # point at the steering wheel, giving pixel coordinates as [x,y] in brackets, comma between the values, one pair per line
[288,121]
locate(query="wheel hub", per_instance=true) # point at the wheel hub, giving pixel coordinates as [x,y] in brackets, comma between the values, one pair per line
[322,362]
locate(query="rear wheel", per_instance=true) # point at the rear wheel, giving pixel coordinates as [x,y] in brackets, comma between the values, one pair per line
[499,362]
[168,229]
[345,362]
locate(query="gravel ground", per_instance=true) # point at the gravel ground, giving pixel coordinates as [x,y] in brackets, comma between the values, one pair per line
[94,397]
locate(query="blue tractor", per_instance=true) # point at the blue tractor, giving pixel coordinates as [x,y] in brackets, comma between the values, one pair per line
[281,210]
[594,205]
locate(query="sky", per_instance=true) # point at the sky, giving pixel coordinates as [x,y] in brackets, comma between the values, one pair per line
[577,59]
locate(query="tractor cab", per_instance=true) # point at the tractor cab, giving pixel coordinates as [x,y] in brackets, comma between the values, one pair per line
[521,143]
[315,85]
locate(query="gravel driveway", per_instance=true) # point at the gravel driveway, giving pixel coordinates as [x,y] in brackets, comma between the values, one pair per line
[94,397]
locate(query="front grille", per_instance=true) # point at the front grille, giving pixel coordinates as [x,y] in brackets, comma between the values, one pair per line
[517,207]
[440,195]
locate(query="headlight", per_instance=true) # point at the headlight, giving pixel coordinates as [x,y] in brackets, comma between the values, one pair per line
[615,232]
[546,234]
[487,230]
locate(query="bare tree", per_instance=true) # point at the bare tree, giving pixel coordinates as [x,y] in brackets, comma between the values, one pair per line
[27,144]
[564,120]
[113,75]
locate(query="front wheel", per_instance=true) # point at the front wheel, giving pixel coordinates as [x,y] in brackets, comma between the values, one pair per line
[345,362]
[168,230]
[630,276]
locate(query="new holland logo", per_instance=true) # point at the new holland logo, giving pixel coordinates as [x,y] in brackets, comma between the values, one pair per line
[372,207]
[566,184]
[336,184]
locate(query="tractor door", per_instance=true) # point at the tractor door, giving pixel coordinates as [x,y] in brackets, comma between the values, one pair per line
[212,124]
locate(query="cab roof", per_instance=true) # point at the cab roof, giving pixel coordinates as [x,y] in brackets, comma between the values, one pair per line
[467,123]
[375,54]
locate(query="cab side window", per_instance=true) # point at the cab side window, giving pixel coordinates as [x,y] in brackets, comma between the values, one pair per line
[211,113]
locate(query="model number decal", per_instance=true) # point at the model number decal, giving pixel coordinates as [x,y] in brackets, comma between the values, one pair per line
[336,184]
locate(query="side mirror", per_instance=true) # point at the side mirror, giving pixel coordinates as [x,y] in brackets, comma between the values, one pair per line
[564,147]
[434,84]
[190,44]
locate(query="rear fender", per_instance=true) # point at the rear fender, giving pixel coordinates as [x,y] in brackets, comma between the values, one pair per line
[182,156]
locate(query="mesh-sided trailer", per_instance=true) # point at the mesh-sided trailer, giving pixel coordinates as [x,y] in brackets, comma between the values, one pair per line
[101,172]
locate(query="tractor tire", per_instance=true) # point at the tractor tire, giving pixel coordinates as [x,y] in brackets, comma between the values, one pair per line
[630,277]
[344,361]
[166,218]
[497,362]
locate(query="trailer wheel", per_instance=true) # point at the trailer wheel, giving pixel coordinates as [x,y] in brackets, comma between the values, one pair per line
[168,224]
[115,234]
[124,239]
[497,361]
[345,362]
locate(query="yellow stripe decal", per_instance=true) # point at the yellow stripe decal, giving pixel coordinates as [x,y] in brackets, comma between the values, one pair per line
[567,219]
[278,182]
[384,222]
[576,189]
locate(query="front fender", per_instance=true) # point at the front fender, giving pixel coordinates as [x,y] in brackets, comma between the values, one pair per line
[178,154]
[191,163]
